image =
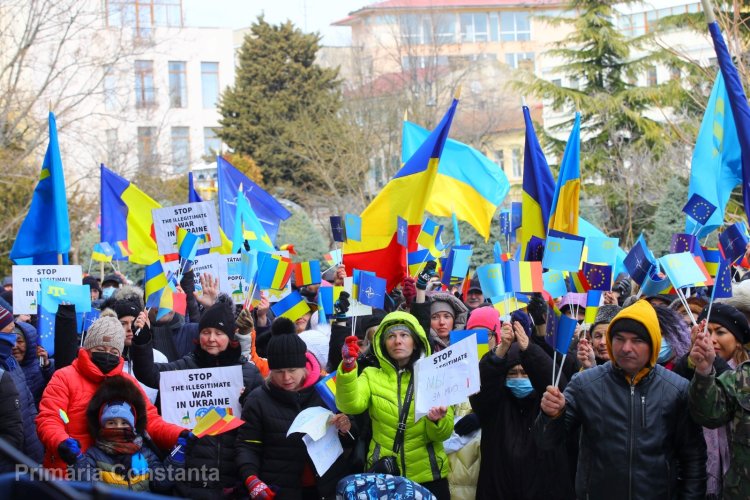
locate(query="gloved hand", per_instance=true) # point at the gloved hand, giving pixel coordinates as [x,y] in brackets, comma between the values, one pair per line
[409,290]
[349,353]
[69,450]
[341,306]
[178,452]
[467,424]
[258,489]
[426,275]
[537,309]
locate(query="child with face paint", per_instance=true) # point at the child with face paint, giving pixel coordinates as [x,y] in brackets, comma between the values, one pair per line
[514,375]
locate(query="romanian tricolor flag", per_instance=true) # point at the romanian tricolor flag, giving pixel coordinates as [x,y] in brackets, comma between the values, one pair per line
[538,187]
[293,306]
[289,248]
[216,421]
[122,252]
[126,216]
[406,195]
[563,214]
[307,273]
[525,277]
[326,388]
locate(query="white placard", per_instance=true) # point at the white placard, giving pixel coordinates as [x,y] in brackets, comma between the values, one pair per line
[190,394]
[197,218]
[356,308]
[231,282]
[447,377]
[27,279]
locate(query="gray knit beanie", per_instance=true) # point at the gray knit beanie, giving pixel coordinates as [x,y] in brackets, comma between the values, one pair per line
[106,331]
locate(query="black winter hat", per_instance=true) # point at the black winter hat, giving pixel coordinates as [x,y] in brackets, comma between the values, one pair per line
[285,349]
[93,282]
[631,326]
[219,316]
[730,318]
[126,308]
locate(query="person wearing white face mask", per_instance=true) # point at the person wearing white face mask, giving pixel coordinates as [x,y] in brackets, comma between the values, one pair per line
[513,376]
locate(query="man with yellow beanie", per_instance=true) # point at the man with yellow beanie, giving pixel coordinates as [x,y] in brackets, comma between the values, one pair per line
[637,438]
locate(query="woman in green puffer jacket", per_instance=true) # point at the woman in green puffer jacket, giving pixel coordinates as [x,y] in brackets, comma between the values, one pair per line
[398,343]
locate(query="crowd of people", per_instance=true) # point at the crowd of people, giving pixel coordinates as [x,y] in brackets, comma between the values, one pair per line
[652,400]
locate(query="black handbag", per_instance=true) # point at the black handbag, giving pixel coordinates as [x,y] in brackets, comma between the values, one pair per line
[389,465]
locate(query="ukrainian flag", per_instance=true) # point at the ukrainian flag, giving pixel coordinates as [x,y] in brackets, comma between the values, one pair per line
[468,185]
[406,195]
[563,215]
[538,187]
[293,306]
[126,216]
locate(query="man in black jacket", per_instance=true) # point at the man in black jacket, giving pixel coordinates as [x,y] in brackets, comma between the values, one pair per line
[637,441]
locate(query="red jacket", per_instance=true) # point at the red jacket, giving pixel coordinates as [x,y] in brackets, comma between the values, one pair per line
[71,389]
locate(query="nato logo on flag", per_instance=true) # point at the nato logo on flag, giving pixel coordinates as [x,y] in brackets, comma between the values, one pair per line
[402,231]
[733,241]
[337,228]
[699,209]
[371,290]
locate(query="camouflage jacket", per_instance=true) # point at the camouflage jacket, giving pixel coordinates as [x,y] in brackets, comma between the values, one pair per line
[716,401]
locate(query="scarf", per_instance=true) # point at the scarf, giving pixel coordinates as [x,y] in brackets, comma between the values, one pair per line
[119,441]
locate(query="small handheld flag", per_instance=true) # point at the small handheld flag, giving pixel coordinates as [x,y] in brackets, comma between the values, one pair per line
[733,241]
[103,252]
[699,209]
[337,228]
[353,227]
[293,306]
[402,231]
[187,244]
[371,290]
[307,273]
[723,282]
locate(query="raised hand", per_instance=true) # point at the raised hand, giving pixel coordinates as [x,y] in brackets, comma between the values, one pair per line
[553,402]
[702,354]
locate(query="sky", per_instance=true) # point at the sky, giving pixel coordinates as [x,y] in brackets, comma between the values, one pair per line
[309,15]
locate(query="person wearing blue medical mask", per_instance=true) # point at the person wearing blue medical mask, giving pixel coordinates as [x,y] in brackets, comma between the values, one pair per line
[513,376]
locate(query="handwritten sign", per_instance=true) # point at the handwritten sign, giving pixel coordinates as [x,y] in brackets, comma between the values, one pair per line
[197,218]
[27,280]
[447,377]
[188,395]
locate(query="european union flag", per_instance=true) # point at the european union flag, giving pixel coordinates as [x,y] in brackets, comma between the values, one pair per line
[371,290]
[723,283]
[402,232]
[733,241]
[505,222]
[599,277]
[683,242]
[639,261]
[337,228]
[699,209]
[516,214]
[534,249]
[562,254]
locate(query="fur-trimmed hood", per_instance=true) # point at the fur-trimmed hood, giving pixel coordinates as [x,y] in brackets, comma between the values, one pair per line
[461,312]
[125,293]
[116,389]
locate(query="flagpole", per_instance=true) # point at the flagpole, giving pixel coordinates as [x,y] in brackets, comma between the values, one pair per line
[559,373]
[101,270]
[708,10]
[687,307]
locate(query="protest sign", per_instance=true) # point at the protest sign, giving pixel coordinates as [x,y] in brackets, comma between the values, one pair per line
[231,282]
[27,279]
[197,218]
[188,395]
[210,263]
[447,377]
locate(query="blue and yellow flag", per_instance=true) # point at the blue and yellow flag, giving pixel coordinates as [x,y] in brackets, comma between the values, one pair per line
[406,195]
[563,214]
[103,252]
[126,216]
[45,232]
[293,306]
[248,228]
[187,244]
[154,284]
[538,187]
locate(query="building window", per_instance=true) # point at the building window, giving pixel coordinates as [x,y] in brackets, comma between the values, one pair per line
[111,147]
[143,15]
[515,162]
[515,26]
[210,84]
[674,73]
[445,28]
[651,77]
[145,94]
[500,159]
[110,89]
[211,142]
[573,83]
[147,158]
[474,27]
[180,149]
[513,59]
[177,84]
